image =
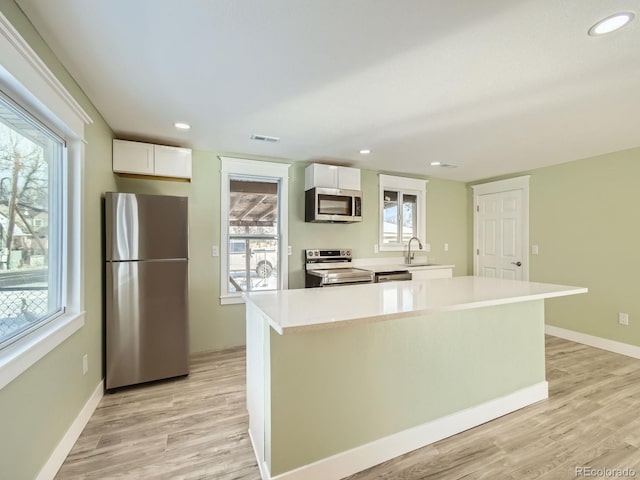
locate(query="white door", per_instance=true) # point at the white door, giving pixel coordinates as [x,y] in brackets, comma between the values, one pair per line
[500,251]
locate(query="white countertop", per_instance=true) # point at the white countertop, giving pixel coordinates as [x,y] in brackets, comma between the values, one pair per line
[401,267]
[290,311]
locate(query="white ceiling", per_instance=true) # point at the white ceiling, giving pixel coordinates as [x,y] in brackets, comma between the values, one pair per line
[492,86]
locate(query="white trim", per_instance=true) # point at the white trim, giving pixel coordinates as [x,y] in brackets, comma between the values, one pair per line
[253,168]
[231,299]
[593,341]
[262,466]
[516,183]
[29,82]
[413,186]
[53,464]
[26,75]
[258,168]
[74,221]
[19,356]
[360,458]
[393,181]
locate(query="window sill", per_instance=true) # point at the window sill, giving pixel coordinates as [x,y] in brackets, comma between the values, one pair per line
[19,356]
[392,248]
[231,299]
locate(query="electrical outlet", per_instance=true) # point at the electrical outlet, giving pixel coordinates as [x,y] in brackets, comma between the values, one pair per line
[215,251]
[446,247]
[289,250]
[623,318]
[427,247]
[375,248]
[534,249]
[85,364]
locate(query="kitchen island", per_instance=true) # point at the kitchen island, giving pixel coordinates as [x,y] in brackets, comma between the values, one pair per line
[341,379]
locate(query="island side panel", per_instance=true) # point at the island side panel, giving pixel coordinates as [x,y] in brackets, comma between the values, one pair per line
[335,389]
[258,344]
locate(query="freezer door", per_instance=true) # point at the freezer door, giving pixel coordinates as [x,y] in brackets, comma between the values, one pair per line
[145,227]
[146,321]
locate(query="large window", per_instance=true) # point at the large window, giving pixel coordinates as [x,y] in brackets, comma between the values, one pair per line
[253,254]
[41,212]
[31,217]
[253,227]
[402,211]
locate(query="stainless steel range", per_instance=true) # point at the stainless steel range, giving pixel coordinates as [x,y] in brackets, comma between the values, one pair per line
[327,268]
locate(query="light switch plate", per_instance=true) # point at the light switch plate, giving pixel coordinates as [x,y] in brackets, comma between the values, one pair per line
[288,249]
[534,249]
[427,247]
[215,251]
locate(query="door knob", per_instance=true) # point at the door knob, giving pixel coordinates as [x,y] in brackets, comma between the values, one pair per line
[517,264]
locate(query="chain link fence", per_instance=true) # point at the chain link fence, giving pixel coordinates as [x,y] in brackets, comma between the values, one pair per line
[19,306]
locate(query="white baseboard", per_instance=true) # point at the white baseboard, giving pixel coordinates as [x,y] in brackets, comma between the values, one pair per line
[55,461]
[262,466]
[360,458]
[593,341]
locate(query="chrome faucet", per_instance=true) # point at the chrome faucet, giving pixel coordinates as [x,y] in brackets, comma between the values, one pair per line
[409,256]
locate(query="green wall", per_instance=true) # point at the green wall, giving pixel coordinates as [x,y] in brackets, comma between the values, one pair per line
[334,389]
[37,408]
[215,326]
[583,217]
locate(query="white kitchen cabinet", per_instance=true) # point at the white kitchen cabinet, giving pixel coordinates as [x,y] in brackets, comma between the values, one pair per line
[349,178]
[148,159]
[172,161]
[425,273]
[331,176]
[133,157]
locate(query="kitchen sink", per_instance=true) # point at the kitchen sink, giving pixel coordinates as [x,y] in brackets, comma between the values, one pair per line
[418,264]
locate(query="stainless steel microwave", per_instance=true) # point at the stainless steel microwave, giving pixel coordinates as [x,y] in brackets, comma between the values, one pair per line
[333,205]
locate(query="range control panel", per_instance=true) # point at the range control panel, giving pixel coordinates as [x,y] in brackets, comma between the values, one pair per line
[337,254]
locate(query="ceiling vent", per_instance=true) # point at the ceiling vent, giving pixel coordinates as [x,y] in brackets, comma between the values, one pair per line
[265,138]
[443,165]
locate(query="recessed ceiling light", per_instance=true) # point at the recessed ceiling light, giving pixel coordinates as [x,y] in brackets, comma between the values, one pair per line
[611,24]
[182,126]
[365,152]
[435,164]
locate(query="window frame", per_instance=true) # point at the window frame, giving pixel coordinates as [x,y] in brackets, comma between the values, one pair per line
[56,183]
[257,170]
[404,186]
[28,82]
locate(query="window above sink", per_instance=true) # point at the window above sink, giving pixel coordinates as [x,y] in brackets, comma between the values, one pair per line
[402,211]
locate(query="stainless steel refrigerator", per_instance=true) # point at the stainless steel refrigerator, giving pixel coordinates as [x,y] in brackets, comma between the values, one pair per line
[146,267]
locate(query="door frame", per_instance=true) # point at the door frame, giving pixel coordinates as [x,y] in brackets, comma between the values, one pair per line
[501,186]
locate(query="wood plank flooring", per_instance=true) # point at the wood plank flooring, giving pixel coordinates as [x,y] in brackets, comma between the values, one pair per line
[196,428]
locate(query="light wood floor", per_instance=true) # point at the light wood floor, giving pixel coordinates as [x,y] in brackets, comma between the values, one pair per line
[196,428]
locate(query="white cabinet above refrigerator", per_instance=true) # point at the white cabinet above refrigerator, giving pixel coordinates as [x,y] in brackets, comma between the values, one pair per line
[140,158]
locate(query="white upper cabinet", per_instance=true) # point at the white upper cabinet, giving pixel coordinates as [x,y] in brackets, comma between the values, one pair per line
[132,157]
[172,161]
[331,176]
[349,178]
[148,159]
